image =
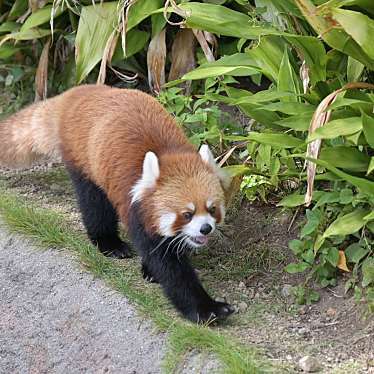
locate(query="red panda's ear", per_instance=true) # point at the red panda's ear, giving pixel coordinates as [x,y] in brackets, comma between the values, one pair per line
[148,179]
[207,157]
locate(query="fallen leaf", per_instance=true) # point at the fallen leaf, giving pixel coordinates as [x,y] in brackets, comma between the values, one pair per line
[342,264]
[156,57]
[41,76]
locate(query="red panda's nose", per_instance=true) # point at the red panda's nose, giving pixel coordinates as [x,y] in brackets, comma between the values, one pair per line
[206,229]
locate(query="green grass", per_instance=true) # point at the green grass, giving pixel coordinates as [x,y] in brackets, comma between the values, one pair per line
[51,230]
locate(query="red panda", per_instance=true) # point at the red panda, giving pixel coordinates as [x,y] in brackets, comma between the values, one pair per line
[130,161]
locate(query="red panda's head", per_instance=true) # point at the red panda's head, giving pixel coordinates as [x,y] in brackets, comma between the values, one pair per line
[182,195]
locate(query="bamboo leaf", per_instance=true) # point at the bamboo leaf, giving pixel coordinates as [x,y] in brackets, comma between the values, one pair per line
[359,26]
[365,185]
[347,224]
[41,16]
[368,127]
[287,78]
[349,158]
[338,127]
[96,25]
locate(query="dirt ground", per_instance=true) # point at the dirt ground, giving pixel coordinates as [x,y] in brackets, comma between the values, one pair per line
[244,265]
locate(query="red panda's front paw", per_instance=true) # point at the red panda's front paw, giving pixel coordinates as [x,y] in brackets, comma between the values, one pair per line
[214,311]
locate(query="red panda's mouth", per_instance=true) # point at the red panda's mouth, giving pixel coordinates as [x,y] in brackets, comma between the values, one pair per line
[199,240]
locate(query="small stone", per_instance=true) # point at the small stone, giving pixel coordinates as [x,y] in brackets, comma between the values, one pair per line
[331,312]
[55,187]
[221,299]
[286,290]
[242,285]
[302,310]
[309,364]
[242,306]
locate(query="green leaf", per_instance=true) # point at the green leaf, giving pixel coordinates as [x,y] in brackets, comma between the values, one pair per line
[355,253]
[287,78]
[327,198]
[275,140]
[291,201]
[30,34]
[296,246]
[41,16]
[369,217]
[313,221]
[9,26]
[349,158]
[294,268]
[347,224]
[7,51]
[332,256]
[19,7]
[96,24]
[297,109]
[298,122]
[337,127]
[135,42]
[223,21]
[354,69]
[335,37]
[368,272]
[371,166]
[313,51]
[368,127]
[359,26]
[363,184]
[141,9]
[346,196]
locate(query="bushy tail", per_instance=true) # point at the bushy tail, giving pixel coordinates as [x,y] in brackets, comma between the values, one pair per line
[30,134]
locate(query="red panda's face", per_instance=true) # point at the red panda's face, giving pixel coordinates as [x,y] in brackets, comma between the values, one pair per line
[183,195]
[192,222]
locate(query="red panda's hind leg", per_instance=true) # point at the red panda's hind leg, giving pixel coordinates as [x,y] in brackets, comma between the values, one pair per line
[99,217]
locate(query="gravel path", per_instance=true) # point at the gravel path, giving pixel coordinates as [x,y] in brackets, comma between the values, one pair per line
[56,318]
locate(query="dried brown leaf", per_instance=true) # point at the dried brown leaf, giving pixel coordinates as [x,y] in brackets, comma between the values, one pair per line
[156,57]
[342,263]
[41,77]
[320,118]
[107,56]
[182,54]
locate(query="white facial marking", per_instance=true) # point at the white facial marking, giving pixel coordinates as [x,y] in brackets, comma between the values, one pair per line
[193,227]
[151,172]
[209,203]
[166,224]
[191,206]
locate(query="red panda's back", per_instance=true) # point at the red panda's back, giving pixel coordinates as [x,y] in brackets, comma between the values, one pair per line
[106,132]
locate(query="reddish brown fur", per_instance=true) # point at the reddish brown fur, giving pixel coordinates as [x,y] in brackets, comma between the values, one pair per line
[105,132]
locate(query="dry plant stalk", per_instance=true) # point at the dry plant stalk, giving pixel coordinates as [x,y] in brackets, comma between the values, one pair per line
[184,14]
[41,77]
[319,119]
[201,38]
[156,56]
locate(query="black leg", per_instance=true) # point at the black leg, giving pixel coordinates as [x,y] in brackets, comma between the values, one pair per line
[99,216]
[175,275]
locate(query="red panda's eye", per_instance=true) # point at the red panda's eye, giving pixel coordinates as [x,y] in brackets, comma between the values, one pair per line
[212,210]
[187,216]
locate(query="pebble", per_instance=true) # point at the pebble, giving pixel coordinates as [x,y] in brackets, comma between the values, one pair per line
[331,312]
[309,364]
[286,290]
[242,306]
